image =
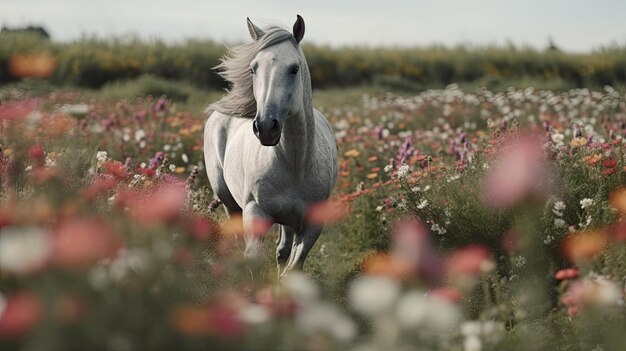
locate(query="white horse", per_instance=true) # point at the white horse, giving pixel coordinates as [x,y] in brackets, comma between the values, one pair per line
[268,153]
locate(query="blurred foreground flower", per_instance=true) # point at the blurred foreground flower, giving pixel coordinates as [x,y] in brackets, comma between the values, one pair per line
[23,249]
[326,212]
[617,199]
[18,313]
[161,203]
[417,310]
[373,295]
[584,245]
[81,242]
[520,170]
[591,291]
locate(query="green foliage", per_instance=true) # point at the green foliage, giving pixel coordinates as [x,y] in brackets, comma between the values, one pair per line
[92,62]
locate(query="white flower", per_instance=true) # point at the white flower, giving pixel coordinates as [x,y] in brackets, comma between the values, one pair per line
[426,188]
[172,167]
[139,134]
[388,168]
[557,138]
[185,158]
[328,318]
[254,314]
[519,261]
[300,286]
[416,189]
[379,208]
[403,171]
[559,223]
[548,239]
[416,310]
[28,168]
[558,208]
[470,328]
[373,295]
[422,204]
[438,229]
[586,203]
[101,157]
[472,343]
[23,249]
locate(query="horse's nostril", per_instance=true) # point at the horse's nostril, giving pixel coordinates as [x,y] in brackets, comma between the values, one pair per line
[255,128]
[275,125]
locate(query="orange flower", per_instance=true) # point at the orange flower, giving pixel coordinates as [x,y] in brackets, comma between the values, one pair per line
[191,320]
[593,159]
[584,245]
[387,265]
[578,142]
[617,199]
[352,153]
[372,176]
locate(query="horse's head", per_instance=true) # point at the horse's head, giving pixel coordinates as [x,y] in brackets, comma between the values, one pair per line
[277,83]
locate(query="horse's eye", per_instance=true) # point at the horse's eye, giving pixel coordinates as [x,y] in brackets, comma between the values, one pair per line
[294,69]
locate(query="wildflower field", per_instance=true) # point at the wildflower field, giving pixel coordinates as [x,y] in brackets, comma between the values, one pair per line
[461,220]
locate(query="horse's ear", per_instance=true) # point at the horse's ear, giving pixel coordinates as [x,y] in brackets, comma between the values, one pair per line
[298,29]
[255,32]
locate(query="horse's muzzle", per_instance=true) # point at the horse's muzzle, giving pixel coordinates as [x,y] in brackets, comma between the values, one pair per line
[268,131]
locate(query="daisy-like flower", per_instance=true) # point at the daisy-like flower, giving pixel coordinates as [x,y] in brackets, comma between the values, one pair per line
[388,168]
[403,171]
[519,261]
[422,204]
[558,208]
[586,203]
[559,223]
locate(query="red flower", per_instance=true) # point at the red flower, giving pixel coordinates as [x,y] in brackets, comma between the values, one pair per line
[21,313]
[116,168]
[609,163]
[36,152]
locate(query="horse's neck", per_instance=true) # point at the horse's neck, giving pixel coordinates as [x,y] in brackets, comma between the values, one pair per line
[297,142]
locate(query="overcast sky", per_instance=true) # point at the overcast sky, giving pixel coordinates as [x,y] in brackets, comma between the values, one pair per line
[575,25]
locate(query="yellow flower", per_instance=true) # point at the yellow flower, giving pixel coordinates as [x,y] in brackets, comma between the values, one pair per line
[352,153]
[578,142]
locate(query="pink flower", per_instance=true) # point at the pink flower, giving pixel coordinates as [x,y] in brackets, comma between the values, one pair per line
[413,247]
[81,242]
[520,170]
[326,212]
[469,261]
[161,203]
[568,273]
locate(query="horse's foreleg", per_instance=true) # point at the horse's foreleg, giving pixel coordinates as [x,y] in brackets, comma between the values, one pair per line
[283,246]
[256,223]
[300,248]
